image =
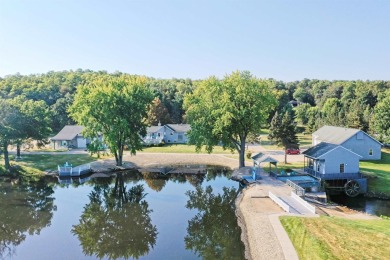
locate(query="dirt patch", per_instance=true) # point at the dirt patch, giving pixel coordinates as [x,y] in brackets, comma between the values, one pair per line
[265,205]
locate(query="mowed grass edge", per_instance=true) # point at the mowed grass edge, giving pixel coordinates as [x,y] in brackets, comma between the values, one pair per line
[338,238]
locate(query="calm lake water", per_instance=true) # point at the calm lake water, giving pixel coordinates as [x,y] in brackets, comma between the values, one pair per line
[133,215]
[372,206]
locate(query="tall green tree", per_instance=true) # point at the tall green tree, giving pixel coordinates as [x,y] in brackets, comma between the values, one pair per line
[20,120]
[158,113]
[381,119]
[9,125]
[227,111]
[35,122]
[116,107]
[283,131]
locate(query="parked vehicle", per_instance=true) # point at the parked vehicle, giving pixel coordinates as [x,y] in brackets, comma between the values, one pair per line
[293,151]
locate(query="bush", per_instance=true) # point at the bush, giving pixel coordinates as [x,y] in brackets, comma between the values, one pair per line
[249,154]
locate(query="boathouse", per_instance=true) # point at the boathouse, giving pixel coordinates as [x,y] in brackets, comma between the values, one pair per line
[336,165]
[355,140]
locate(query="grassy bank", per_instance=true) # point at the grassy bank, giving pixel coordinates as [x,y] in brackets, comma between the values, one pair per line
[338,238]
[36,163]
[378,173]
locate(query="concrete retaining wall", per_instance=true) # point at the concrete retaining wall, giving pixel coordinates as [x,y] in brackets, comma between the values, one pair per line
[279,202]
[304,203]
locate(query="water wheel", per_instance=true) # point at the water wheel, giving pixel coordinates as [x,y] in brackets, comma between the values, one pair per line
[352,188]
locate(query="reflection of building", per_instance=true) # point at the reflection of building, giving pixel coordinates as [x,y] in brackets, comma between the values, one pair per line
[70,137]
[170,133]
[352,139]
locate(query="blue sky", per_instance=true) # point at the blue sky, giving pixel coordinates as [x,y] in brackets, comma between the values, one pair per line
[285,40]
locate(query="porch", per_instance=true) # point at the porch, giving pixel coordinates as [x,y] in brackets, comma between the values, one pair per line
[332,176]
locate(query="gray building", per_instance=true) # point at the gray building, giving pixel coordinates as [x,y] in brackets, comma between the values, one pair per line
[336,165]
[326,159]
[70,137]
[354,140]
[176,133]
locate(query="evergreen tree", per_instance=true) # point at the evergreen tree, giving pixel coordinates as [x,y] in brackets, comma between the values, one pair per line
[283,130]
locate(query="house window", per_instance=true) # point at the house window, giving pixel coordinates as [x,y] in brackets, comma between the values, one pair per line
[342,167]
[370,152]
[180,137]
[171,133]
[158,134]
[318,167]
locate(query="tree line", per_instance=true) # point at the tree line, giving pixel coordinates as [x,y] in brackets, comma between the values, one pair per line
[227,111]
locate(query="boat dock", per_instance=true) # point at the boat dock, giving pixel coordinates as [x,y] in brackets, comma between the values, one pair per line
[259,207]
[274,189]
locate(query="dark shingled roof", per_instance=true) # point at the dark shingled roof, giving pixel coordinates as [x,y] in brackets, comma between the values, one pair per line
[180,127]
[67,133]
[319,149]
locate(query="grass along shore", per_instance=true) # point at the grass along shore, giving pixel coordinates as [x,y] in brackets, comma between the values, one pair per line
[38,163]
[378,173]
[338,238]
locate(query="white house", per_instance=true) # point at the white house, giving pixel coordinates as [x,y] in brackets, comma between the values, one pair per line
[70,136]
[354,140]
[176,133]
[170,133]
[154,134]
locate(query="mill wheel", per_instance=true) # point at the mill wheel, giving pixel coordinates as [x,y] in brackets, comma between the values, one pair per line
[352,188]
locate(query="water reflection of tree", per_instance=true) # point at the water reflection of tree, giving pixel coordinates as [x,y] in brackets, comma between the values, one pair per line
[116,223]
[25,208]
[155,181]
[213,233]
[216,171]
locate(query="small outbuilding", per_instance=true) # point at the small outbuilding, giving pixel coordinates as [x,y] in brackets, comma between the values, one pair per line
[262,158]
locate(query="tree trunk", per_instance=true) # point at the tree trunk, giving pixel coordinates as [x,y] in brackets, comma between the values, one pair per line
[285,155]
[120,156]
[242,154]
[6,158]
[18,151]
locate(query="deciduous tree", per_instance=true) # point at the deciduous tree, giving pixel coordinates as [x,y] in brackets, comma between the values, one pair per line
[114,106]
[226,111]
[381,120]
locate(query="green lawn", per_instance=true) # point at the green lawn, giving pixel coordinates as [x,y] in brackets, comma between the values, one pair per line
[50,161]
[338,238]
[303,139]
[378,173]
[295,165]
[181,148]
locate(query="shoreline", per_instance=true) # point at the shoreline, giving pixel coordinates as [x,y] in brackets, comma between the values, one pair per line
[241,223]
